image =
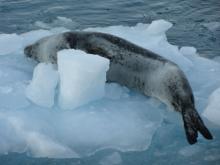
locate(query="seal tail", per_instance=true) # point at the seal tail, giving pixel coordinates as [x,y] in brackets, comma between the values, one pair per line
[194,124]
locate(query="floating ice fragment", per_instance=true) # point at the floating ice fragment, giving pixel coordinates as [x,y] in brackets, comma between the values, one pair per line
[33,36]
[112,159]
[212,111]
[188,50]
[212,26]
[41,90]
[82,78]
[159,27]
[64,19]
[42,25]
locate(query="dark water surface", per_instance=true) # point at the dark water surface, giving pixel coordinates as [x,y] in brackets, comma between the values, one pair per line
[196,22]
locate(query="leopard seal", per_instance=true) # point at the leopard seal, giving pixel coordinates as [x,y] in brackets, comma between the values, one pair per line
[131,66]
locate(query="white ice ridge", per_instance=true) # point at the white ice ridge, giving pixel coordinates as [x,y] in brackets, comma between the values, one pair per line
[212,111]
[41,90]
[82,78]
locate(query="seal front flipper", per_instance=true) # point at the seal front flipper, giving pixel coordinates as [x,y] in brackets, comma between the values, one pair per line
[194,124]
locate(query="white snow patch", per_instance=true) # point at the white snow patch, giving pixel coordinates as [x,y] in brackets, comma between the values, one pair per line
[58,22]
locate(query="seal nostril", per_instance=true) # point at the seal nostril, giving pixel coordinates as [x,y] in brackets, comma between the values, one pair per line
[27,51]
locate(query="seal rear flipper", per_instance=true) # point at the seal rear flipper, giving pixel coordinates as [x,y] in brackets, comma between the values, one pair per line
[194,124]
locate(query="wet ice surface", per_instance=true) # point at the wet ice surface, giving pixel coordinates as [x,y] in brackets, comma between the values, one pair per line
[124,127]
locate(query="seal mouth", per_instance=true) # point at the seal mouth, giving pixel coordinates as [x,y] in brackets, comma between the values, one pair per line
[27,51]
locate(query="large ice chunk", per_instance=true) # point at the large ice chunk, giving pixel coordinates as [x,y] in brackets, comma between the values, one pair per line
[212,111]
[42,87]
[82,78]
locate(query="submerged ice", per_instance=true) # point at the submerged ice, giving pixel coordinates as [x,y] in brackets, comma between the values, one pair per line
[119,119]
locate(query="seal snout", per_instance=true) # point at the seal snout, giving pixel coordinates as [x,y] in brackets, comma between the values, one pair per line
[28,50]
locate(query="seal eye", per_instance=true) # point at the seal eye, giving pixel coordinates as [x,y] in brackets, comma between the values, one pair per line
[71,41]
[28,51]
[192,98]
